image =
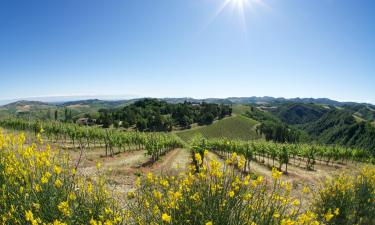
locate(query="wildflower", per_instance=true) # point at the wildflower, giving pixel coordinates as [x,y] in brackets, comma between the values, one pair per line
[57,170]
[58,222]
[209,223]
[305,190]
[64,208]
[231,194]
[296,202]
[37,188]
[89,187]
[44,180]
[131,194]
[287,222]
[198,158]
[58,183]
[93,222]
[328,216]
[150,176]
[29,216]
[337,211]
[166,218]
[275,173]
[72,196]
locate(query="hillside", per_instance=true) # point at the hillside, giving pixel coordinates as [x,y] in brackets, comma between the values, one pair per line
[235,127]
[341,127]
[298,113]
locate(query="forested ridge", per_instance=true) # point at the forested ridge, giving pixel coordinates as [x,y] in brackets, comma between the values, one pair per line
[158,115]
[328,124]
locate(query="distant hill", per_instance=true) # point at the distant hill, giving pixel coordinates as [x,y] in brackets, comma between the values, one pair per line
[235,127]
[340,127]
[297,113]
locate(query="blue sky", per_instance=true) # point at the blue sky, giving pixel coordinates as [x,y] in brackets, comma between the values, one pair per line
[178,48]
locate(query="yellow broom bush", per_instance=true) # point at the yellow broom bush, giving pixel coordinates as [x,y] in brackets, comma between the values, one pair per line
[38,186]
[348,199]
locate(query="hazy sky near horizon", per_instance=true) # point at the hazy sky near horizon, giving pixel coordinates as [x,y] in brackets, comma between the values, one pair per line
[180,48]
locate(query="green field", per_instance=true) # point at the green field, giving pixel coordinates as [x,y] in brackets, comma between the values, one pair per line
[240,109]
[235,127]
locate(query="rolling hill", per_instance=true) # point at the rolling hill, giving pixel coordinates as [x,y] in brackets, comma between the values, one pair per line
[235,127]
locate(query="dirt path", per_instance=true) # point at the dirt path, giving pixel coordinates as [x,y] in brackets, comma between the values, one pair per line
[173,162]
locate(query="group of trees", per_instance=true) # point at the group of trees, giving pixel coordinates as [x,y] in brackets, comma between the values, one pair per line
[157,115]
[278,132]
[273,128]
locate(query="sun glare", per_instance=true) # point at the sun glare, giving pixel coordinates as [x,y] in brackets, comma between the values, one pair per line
[239,8]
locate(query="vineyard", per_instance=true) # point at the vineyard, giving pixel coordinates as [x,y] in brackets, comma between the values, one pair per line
[85,138]
[213,181]
[276,154]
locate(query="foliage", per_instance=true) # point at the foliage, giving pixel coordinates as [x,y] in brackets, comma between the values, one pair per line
[298,113]
[155,144]
[340,127]
[296,154]
[38,186]
[157,115]
[272,128]
[278,132]
[216,195]
[350,199]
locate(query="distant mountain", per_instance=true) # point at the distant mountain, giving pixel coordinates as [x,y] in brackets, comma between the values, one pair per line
[298,114]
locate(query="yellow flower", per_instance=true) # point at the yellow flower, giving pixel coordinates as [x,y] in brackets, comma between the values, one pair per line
[166,218]
[287,222]
[209,223]
[150,176]
[328,216]
[89,187]
[29,215]
[72,196]
[131,194]
[305,190]
[231,194]
[44,180]
[37,188]
[57,222]
[64,208]
[275,173]
[93,222]
[296,202]
[337,211]
[58,183]
[198,158]
[57,170]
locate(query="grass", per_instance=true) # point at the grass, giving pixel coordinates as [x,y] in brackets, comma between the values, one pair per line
[240,109]
[235,127]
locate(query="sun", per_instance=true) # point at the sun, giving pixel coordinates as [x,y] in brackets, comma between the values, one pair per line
[240,8]
[239,3]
